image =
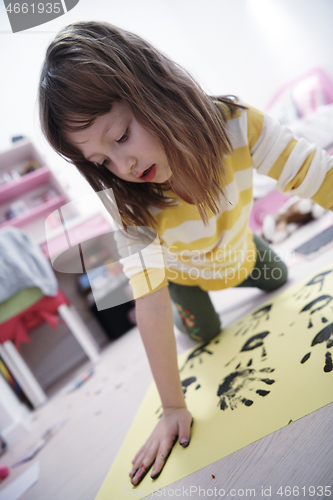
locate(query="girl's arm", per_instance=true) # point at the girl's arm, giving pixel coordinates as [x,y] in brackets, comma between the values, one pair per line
[299,166]
[155,322]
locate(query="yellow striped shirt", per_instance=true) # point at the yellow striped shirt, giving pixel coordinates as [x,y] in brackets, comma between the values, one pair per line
[221,254]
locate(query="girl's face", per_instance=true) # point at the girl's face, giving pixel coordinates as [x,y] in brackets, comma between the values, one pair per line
[123,146]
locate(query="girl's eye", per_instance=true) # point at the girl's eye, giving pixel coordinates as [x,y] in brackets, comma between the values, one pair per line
[104,163]
[124,137]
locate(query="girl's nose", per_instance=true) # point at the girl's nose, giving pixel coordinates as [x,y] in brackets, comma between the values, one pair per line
[126,164]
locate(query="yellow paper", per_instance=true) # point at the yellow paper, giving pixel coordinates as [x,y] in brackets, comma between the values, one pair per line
[271,367]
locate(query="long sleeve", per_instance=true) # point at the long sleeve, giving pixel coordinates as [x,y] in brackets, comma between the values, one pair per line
[142,257]
[298,166]
[221,254]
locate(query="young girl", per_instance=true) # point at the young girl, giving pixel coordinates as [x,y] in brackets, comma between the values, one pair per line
[180,162]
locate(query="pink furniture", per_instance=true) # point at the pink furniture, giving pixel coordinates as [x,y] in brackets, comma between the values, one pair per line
[305,93]
[294,101]
[269,204]
[17,327]
[38,192]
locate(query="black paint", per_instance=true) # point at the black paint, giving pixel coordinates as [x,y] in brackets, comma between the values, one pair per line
[306,357]
[328,365]
[262,392]
[323,335]
[323,300]
[319,278]
[310,285]
[197,353]
[187,382]
[230,388]
[255,319]
[254,342]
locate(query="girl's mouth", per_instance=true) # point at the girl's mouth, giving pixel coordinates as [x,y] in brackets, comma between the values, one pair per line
[149,174]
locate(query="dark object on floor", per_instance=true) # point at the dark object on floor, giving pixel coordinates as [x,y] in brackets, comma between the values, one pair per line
[3,446]
[116,320]
[17,138]
[317,242]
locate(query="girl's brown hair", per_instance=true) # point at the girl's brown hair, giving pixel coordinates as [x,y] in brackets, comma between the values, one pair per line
[90,65]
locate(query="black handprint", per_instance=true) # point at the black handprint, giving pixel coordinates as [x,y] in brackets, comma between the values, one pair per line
[316,305]
[197,353]
[253,343]
[323,336]
[255,319]
[185,384]
[310,287]
[229,390]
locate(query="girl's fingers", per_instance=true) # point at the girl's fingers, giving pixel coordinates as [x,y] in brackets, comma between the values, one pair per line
[133,471]
[136,463]
[142,466]
[184,433]
[135,459]
[140,473]
[176,425]
[138,459]
[162,456]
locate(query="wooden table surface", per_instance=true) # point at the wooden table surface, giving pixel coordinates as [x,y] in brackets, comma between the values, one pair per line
[293,462]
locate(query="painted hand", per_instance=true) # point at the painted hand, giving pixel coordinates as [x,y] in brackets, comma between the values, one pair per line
[174,423]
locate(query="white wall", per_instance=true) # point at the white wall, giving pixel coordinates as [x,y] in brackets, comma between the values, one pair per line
[245,47]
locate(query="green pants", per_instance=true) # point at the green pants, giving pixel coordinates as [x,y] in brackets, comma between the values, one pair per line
[193,310]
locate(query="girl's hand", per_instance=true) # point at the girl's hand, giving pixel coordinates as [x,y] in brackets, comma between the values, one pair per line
[175,422]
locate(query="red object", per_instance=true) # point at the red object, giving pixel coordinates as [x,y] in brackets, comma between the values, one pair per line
[4,471]
[213,476]
[44,310]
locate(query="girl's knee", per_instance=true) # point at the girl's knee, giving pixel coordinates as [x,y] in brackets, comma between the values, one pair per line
[206,335]
[186,323]
[278,277]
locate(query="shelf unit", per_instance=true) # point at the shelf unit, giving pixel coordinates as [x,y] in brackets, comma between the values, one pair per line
[39,191]
[40,195]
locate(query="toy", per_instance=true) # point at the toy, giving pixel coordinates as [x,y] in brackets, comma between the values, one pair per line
[4,472]
[294,213]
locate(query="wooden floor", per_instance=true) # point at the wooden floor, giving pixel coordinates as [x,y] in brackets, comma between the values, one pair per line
[76,460]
